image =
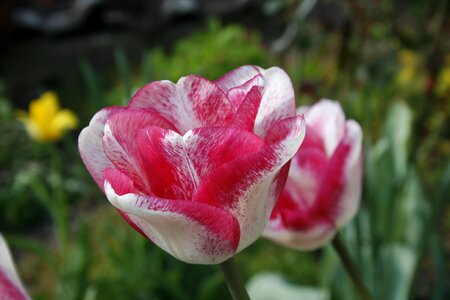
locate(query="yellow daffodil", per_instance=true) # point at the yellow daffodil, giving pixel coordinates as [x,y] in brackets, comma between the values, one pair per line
[45,121]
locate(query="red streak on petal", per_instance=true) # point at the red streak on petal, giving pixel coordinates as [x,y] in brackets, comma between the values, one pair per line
[246,114]
[8,290]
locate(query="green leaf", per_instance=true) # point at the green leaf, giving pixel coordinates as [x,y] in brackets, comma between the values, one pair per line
[379,184]
[416,211]
[396,267]
[268,286]
[398,131]
[124,72]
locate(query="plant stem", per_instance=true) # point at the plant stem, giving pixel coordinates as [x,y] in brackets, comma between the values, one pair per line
[351,269]
[234,280]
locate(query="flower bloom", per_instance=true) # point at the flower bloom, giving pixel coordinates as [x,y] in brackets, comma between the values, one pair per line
[10,286]
[196,166]
[323,189]
[46,122]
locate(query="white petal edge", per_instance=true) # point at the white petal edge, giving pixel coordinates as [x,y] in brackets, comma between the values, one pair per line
[277,102]
[309,240]
[328,120]
[351,195]
[174,233]
[90,146]
[238,77]
[7,266]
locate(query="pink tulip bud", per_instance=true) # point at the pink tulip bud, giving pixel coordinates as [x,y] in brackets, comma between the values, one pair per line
[196,166]
[323,189]
[10,286]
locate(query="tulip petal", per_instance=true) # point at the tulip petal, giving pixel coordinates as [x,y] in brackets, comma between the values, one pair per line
[166,164]
[174,164]
[238,94]
[190,231]
[239,77]
[328,121]
[310,239]
[246,113]
[190,103]
[353,173]
[119,140]
[305,177]
[278,100]
[91,148]
[313,140]
[122,185]
[10,286]
[239,185]
[338,198]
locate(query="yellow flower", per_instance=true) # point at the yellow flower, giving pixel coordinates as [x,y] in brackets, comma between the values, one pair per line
[46,122]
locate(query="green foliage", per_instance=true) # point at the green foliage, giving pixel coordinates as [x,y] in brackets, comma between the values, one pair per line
[209,53]
[18,209]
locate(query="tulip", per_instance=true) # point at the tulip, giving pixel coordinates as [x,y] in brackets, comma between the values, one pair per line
[10,286]
[323,190]
[196,166]
[45,121]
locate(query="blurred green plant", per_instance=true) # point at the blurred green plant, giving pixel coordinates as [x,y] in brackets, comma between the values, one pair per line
[209,53]
[18,208]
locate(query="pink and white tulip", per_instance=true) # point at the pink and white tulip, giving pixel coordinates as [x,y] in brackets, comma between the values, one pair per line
[10,286]
[323,189]
[196,166]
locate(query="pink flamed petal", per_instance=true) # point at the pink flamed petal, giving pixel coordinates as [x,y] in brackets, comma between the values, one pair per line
[353,174]
[122,185]
[212,147]
[91,148]
[120,140]
[10,285]
[166,163]
[239,77]
[278,184]
[190,103]
[247,186]
[313,141]
[174,164]
[328,121]
[191,232]
[331,202]
[247,111]
[278,101]
[238,94]
[311,239]
[305,176]
[324,186]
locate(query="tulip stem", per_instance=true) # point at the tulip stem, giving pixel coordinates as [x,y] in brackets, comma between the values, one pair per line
[351,269]
[234,280]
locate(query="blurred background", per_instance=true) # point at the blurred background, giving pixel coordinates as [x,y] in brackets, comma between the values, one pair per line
[386,62]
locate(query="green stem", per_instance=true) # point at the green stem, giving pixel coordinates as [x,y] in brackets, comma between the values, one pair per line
[351,269]
[59,201]
[234,280]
